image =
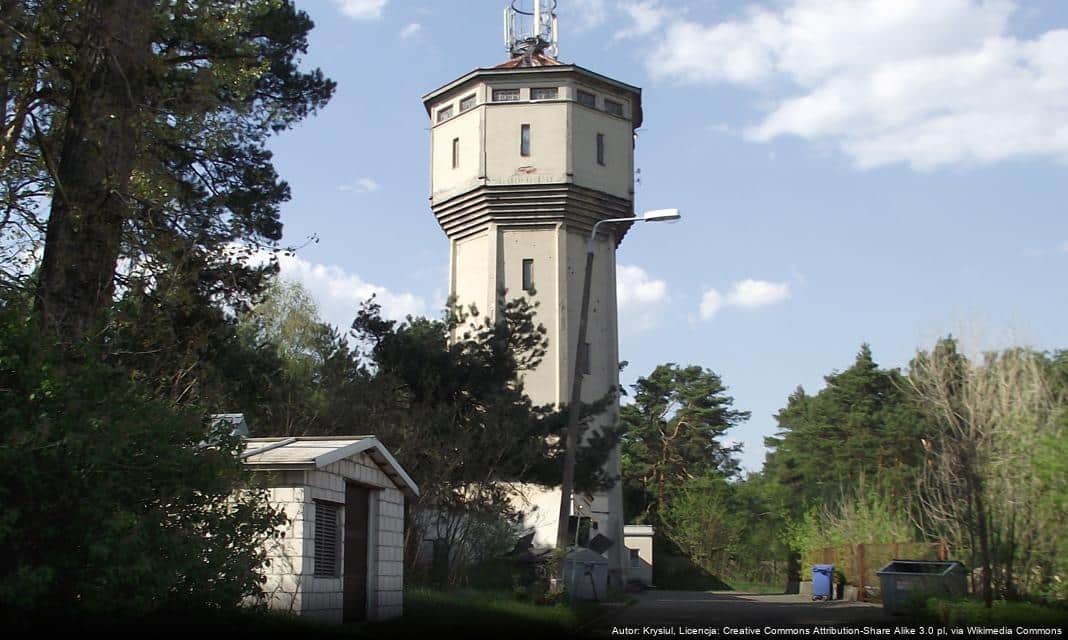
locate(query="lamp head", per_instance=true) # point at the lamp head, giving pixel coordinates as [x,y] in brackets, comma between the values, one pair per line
[661,215]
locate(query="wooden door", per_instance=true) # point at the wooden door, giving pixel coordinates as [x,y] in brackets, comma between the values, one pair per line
[357,536]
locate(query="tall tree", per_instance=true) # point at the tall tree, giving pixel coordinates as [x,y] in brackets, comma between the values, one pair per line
[673,434]
[980,488]
[863,423]
[146,125]
[97,152]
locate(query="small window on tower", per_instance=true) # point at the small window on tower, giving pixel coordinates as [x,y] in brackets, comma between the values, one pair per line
[506,95]
[586,98]
[524,140]
[600,149]
[586,358]
[613,107]
[445,114]
[455,152]
[544,93]
[467,103]
[528,275]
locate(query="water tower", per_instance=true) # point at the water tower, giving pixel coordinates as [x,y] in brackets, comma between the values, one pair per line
[525,157]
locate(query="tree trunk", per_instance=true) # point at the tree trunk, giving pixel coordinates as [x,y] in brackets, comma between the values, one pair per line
[984,541]
[89,205]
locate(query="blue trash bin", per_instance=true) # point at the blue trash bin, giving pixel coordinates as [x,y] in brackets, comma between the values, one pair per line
[822,583]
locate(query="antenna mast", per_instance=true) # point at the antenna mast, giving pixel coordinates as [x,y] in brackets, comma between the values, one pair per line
[530,28]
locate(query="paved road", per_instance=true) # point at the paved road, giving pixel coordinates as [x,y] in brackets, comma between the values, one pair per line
[699,609]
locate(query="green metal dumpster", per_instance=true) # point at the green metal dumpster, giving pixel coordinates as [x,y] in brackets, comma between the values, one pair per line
[901,578]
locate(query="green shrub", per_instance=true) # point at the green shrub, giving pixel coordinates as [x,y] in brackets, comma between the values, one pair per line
[1003,613]
[112,502]
[866,516]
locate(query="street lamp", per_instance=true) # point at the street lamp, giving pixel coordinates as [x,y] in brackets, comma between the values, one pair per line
[573,408]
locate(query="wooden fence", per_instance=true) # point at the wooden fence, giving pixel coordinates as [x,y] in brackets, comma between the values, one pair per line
[859,562]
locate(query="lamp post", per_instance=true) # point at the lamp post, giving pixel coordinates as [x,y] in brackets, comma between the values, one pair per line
[574,406]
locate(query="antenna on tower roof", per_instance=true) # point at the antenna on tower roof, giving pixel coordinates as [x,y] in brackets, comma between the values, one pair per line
[530,28]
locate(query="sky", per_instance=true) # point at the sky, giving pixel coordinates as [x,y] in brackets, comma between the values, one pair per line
[866,171]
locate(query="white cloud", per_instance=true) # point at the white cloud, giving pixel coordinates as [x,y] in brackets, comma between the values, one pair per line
[360,185]
[1063,248]
[340,293]
[744,294]
[361,9]
[584,15]
[711,303]
[639,297]
[645,17]
[750,293]
[411,30]
[928,84]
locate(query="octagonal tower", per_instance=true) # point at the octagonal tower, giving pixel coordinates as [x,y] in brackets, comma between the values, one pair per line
[525,157]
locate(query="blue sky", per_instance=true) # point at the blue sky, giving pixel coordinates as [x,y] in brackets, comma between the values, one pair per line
[881,172]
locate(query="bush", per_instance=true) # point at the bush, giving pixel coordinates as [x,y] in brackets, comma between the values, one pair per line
[113,503]
[868,516]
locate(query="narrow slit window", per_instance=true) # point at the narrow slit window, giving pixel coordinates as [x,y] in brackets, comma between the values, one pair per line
[600,149]
[586,358]
[455,152]
[528,275]
[327,539]
[524,140]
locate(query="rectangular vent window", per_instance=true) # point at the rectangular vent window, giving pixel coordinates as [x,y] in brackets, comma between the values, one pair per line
[327,539]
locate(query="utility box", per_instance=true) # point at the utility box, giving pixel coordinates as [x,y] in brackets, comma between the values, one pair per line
[822,581]
[901,578]
[586,574]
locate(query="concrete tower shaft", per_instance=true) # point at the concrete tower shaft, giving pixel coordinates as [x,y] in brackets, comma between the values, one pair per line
[525,158]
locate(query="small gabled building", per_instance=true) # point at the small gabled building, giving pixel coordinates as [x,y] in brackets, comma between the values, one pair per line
[341,558]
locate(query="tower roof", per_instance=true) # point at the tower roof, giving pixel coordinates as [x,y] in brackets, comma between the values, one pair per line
[533,59]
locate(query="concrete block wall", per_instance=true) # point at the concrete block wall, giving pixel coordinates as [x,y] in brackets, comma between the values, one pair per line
[291,584]
[286,561]
[390,553]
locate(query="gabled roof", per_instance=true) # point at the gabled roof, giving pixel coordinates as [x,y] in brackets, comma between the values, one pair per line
[236,421]
[315,453]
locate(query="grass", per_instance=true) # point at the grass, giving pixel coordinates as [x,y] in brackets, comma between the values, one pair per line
[483,613]
[233,623]
[1004,613]
[467,613]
